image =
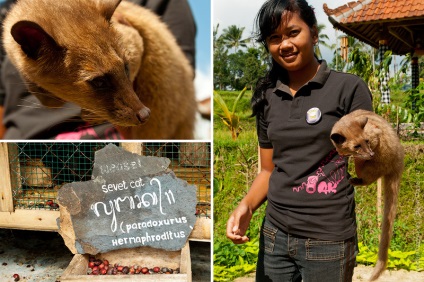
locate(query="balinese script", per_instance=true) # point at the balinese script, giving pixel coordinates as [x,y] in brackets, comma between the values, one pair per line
[155,199]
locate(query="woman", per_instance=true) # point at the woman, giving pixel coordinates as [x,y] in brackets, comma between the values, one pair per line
[309,231]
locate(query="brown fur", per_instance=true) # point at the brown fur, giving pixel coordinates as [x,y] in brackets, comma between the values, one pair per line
[147,90]
[374,144]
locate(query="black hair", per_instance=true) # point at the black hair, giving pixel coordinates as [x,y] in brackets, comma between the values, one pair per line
[267,21]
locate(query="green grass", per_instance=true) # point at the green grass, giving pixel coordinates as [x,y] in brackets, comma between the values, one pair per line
[236,164]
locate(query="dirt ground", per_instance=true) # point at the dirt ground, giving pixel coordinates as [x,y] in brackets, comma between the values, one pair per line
[363,272]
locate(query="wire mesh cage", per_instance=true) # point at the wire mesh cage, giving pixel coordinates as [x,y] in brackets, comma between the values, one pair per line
[191,162]
[38,170]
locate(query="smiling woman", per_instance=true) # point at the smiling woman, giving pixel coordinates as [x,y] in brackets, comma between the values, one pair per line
[291,46]
[309,231]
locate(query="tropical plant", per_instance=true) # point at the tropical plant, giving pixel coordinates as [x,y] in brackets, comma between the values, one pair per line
[360,59]
[245,68]
[415,102]
[231,261]
[220,59]
[230,119]
[216,39]
[232,37]
[221,71]
[322,37]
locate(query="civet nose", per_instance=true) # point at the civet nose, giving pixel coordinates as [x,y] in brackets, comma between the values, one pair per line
[143,114]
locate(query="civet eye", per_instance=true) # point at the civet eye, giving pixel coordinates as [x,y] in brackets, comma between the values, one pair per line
[127,70]
[100,83]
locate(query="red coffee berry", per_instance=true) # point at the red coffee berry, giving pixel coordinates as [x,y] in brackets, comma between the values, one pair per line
[144,270]
[95,272]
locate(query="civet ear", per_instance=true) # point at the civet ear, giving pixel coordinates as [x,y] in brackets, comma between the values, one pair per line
[33,39]
[362,122]
[107,7]
[338,138]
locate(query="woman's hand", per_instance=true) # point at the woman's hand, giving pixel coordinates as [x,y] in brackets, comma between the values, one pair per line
[238,223]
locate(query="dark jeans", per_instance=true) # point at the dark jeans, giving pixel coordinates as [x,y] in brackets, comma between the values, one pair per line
[286,258]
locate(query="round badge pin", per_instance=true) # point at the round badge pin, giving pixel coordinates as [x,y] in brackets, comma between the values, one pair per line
[313,115]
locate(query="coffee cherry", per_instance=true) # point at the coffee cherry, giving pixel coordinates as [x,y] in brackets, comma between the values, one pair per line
[144,270]
[95,272]
[125,270]
[98,262]
[164,269]
[103,267]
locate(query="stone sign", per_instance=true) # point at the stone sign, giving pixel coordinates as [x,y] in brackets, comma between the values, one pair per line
[131,201]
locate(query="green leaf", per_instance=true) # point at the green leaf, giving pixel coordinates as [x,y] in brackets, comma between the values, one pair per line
[238,99]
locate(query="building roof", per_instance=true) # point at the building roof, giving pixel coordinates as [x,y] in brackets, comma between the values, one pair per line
[400,22]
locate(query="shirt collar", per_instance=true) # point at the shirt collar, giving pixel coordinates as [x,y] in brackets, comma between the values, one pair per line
[320,78]
[322,73]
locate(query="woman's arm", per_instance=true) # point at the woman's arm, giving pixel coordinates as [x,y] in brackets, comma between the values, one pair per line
[239,221]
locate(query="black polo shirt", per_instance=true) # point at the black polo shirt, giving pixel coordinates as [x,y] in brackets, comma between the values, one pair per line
[309,194]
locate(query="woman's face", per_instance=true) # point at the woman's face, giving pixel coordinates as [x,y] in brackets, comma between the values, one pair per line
[292,44]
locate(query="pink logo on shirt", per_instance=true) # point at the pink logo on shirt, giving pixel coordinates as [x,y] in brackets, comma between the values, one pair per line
[321,183]
[86,131]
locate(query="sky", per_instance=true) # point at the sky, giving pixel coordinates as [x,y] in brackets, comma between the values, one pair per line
[242,13]
[202,15]
[201,10]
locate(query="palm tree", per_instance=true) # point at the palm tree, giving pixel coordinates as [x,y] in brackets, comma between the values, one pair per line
[322,37]
[216,40]
[232,37]
[338,63]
